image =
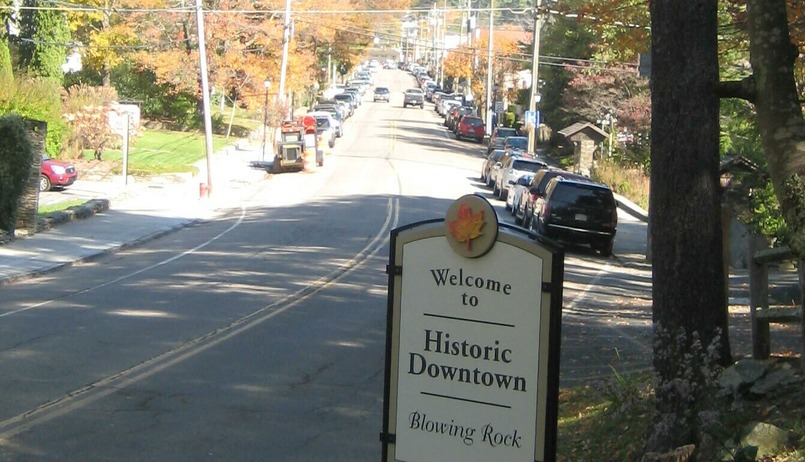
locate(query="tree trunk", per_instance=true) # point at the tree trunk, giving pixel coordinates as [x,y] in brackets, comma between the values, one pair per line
[690,309]
[779,112]
[106,69]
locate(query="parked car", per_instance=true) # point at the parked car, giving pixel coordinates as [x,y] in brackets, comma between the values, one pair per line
[516,143]
[349,98]
[55,173]
[531,203]
[381,94]
[471,127]
[325,126]
[455,115]
[519,188]
[514,168]
[360,84]
[445,105]
[430,89]
[337,114]
[578,212]
[356,93]
[414,97]
[498,136]
[491,165]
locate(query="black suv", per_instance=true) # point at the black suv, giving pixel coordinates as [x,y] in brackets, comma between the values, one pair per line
[531,203]
[578,212]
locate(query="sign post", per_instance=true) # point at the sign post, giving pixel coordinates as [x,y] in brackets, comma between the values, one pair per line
[472,347]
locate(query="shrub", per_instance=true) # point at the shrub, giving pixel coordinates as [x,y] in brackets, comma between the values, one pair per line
[631,183]
[6,72]
[508,119]
[86,109]
[37,98]
[16,157]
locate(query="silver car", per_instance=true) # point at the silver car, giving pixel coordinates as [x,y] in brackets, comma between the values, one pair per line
[514,168]
[325,126]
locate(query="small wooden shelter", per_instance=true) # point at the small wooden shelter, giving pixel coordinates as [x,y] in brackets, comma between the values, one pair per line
[585,137]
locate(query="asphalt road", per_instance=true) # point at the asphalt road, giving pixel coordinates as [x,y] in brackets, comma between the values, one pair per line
[260,335]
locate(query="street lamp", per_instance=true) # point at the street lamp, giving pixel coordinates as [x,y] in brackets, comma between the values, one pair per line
[267,85]
[607,119]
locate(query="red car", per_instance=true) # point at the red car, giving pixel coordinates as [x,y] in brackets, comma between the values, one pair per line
[56,174]
[471,127]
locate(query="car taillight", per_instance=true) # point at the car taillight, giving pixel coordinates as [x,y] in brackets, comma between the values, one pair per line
[614,218]
[546,211]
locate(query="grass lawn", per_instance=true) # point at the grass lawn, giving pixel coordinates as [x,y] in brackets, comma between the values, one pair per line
[161,151]
[48,209]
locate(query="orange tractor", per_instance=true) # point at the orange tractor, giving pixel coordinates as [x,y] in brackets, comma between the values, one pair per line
[296,148]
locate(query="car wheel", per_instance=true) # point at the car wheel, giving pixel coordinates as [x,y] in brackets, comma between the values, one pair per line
[517,220]
[44,183]
[606,248]
[331,144]
[495,190]
[503,194]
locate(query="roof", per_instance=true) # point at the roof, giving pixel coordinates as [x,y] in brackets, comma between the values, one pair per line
[730,163]
[580,127]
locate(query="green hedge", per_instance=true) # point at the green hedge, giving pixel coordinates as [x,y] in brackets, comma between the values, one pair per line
[16,157]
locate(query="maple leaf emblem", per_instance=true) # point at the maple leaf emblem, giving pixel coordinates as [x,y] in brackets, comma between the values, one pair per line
[467,226]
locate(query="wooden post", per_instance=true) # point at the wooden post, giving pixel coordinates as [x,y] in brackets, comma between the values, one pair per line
[801,270]
[758,299]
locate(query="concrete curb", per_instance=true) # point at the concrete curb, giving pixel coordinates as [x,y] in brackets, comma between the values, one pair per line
[631,208]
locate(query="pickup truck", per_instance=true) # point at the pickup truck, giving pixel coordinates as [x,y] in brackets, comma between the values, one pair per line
[414,97]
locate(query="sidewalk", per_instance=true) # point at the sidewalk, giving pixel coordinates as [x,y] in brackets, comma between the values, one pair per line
[138,212]
[631,208]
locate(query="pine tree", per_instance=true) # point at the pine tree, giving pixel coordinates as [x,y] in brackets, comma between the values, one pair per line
[45,35]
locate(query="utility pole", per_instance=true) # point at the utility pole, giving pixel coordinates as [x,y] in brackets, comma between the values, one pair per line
[489,69]
[286,37]
[205,93]
[469,44]
[532,103]
[330,66]
[443,47]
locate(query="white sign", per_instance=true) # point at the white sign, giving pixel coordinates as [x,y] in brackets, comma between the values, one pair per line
[469,357]
[472,352]
[119,114]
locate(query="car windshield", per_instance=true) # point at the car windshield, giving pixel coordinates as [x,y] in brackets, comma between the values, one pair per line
[322,122]
[473,121]
[517,142]
[582,195]
[414,91]
[381,90]
[503,133]
[526,165]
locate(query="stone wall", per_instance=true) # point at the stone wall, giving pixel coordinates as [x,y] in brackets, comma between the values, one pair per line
[29,201]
